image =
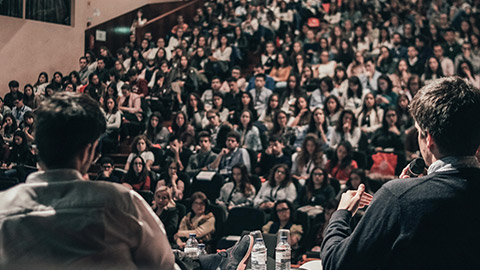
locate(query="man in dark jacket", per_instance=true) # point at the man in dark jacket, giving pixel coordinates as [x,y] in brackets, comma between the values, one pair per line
[426,222]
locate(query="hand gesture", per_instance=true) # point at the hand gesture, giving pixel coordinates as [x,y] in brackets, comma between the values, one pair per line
[353,200]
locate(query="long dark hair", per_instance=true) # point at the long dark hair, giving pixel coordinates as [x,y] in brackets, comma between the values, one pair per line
[151,131]
[290,207]
[190,111]
[310,187]
[276,127]
[177,129]
[245,185]
[348,158]
[389,83]
[303,156]
[384,120]
[131,177]
[363,179]
[339,127]
[268,111]
[271,177]
[133,146]
[354,80]
[115,106]
[250,124]
[429,71]
[312,126]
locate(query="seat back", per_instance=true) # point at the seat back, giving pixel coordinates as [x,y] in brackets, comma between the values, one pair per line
[238,222]
[210,188]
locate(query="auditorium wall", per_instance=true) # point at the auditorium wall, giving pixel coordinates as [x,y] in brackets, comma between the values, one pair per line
[29,47]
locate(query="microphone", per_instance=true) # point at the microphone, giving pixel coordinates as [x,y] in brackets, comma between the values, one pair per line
[416,167]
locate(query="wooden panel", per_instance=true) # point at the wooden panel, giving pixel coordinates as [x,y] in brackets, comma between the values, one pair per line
[161,18]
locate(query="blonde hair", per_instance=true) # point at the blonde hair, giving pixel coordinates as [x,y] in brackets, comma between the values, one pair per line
[168,190]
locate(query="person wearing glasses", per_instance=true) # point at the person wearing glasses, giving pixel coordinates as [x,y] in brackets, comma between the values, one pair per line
[283,218]
[199,221]
[279,186]
[106,173]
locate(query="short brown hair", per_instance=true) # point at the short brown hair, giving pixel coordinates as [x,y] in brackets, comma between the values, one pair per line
[449,110]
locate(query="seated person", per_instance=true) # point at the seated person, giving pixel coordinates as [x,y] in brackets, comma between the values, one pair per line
[317,189]
[231,155]
[178,151]
[174,179]
[238,191]
[166,210]
[199,221]
[204,156]
[130,105]
[389,135]
[106,174]
[279,186]
[274,154]
[309,157]
[141,147]
[217,130]
[137,176]
[342,163]
[283,214]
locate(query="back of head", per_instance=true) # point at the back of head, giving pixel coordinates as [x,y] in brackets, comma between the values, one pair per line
[66,124]
[449,110]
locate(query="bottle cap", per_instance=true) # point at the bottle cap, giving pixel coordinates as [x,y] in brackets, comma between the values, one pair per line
[192,234]
[258,240]
[283,237]
[201,245]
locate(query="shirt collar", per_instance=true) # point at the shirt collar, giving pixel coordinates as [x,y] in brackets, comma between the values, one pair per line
[452,163]
[54,175]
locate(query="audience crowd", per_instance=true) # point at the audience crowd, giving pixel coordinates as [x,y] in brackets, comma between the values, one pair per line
[270,104]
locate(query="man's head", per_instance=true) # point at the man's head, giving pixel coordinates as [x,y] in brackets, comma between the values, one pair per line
[67,129]
[18,101]
[101,63]
[204,141]
[447,117]
[13,85]
[216,83]
[213,118]
[438,51]
[132,75]
[83,62]
[259,81]
[397,39]
[259,68]
[107,165]
[232,84]
[233,139]
[277,145]
[236,72]
[412,52]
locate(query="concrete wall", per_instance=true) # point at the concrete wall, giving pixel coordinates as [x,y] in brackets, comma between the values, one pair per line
[30,47]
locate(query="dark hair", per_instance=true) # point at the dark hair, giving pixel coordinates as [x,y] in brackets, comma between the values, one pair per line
[363,179]
[106,160]
[46,76]
[384,120]
[190,111]
[354,80]
[250,124]
[348,158]
[268,110]
[429,72]
[339,127]
[234,134]
[312,126]
[290,207]
[276,127]
[66,124]
[325,108]
[460,71]
[389,83]
[177,129]
[304,157]
[152,132]
[271,177]
[448,109]
[310,187]
[13,84]
[115,105]
[131,177]
[204,134]
[245,185]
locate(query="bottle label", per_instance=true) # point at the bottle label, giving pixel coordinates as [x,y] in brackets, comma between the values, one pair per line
[259,257]
[190,250]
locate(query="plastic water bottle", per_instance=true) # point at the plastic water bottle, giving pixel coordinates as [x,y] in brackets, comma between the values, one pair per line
[282,254]
[191,248]
[259,255]
[201,250]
